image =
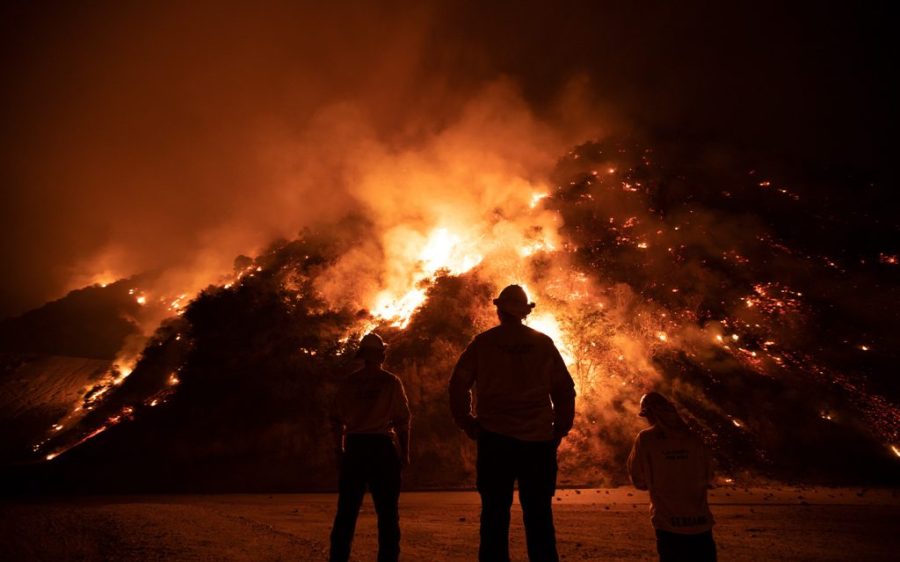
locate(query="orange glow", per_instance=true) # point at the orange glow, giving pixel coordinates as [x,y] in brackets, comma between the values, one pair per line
[124,371]
[545,322]
[441,250]
[104,278]
[536,198]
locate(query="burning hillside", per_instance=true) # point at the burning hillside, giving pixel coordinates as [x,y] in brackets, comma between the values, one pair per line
[651,269]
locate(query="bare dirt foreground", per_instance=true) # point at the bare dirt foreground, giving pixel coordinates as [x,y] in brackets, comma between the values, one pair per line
[596,524]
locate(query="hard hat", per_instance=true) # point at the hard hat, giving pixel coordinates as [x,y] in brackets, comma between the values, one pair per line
[655,403]
[662,413]
[514,301]
[369,343]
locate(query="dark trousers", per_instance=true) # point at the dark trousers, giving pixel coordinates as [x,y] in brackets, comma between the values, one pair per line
[369,460]
[676,547]
[501,461]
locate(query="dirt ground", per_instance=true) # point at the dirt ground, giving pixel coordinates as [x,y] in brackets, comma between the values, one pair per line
[592,524]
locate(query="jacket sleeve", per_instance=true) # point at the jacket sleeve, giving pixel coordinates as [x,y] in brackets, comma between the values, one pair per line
[710,465]
[460,387]
[636,465]
[562,393]
[402,417]
[336,421]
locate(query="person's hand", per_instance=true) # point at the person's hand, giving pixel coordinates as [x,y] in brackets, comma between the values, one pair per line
[472,429]
[558,437]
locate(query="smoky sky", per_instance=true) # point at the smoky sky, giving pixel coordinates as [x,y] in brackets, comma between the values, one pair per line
[134,130]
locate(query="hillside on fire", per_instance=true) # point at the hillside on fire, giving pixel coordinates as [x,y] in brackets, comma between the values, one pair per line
[694,274]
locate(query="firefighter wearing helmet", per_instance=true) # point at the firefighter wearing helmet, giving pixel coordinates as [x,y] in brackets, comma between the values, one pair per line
[674,465]
[370,420]
[524,407]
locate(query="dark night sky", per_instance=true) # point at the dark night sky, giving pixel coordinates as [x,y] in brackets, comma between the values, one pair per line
[127,123]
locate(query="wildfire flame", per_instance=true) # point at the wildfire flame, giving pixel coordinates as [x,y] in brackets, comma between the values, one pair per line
[545,322]
[608,332]
[441,250]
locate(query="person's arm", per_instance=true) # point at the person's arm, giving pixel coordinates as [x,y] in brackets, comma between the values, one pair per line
[403,437]
[337,435]
[562,393]
[460,392]
[402,423]
[337,428]
[636,465]
[709,463]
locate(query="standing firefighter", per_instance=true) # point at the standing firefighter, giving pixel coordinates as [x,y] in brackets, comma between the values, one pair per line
[525,405]
[370,411]
[670,461]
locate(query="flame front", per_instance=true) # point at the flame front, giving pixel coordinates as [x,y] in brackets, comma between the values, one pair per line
[623,324]
[441,251]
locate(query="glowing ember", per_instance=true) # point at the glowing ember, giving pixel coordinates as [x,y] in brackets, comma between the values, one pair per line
[104,279]
[123,372]
[537,246]
[536,198]
[178,303]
